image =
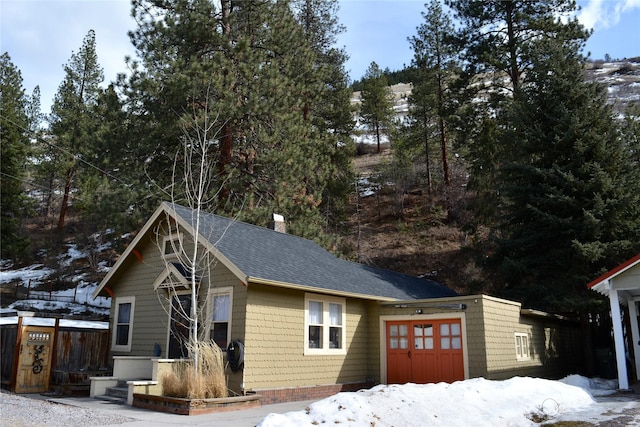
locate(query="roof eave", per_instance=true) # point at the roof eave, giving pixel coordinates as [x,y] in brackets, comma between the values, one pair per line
[600,281]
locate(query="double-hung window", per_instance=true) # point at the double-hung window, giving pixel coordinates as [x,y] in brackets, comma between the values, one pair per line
[522,346]
[220,303]
[325,325]
[123,324]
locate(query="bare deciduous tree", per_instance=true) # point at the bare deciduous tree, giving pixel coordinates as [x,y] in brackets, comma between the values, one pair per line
[184,288]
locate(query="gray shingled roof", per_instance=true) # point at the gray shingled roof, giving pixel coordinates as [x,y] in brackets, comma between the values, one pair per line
[262,253]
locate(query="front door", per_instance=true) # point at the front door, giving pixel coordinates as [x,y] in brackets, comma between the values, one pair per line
[424,351]
[180,326]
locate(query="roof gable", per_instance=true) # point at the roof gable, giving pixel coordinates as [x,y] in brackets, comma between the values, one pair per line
[173,276]
[614,272]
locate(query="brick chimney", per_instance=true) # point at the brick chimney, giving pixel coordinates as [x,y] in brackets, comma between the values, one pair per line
[277,223]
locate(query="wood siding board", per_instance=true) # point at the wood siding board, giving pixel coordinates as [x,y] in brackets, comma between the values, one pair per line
[275,356]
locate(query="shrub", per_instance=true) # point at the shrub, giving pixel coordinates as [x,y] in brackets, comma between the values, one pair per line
[207,382]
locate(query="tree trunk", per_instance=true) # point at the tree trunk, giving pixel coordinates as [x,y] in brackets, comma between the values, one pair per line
[226,149]
[65,199]
[511,41]
[445,167]
[226,141]
[425,124]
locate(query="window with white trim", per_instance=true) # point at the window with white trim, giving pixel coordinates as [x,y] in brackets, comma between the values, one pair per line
[522,346]
[123,324]
[220,303]
[171,244]
[324,325]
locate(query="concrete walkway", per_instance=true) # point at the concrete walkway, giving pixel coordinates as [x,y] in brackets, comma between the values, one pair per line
[147,418]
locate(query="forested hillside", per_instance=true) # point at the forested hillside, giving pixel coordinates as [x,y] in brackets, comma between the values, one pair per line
[509,165]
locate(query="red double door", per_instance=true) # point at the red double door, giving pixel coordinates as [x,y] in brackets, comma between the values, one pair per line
[424,351]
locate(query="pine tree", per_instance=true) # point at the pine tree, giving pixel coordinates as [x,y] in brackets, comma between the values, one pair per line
[114,183]
[71,113]
[251,63]
[498,36]
[14,137]
[498,40]
[436,64]
[569,190]
[377,106]
[34,112]
[328,107]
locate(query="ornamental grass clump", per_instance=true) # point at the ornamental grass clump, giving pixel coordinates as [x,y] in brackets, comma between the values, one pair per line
[206,382]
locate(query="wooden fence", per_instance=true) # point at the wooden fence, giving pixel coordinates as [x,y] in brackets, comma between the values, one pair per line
[78,354]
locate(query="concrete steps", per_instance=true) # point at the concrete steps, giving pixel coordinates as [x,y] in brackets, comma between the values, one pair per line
[117,394]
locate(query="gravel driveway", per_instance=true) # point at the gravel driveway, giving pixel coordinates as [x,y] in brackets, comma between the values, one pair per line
[19,411]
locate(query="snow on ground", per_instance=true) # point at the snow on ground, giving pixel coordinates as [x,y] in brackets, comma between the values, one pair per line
[48,321]
[75,300]
[519,401]
[36,273]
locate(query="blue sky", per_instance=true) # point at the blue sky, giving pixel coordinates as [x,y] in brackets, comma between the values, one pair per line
[40,35]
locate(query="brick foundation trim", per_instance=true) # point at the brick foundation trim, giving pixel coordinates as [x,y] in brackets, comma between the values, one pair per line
[293,394]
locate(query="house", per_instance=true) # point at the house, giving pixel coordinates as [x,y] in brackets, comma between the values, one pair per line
[622,286]
[310,323]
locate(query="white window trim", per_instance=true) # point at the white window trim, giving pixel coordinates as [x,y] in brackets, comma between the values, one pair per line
[172,279]
[114,335]
[224,290]
[524,337]
[325,350]
[174,239]
[169,312]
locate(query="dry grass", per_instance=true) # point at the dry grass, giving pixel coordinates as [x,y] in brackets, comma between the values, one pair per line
[209,381]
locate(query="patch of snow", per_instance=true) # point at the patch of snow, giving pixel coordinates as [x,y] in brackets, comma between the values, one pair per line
[595,386]
[35,272]
[72,254]
[55,306]
[64,323]
[475,402]
[103,267]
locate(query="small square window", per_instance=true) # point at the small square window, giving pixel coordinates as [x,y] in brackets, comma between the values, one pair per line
[172,244]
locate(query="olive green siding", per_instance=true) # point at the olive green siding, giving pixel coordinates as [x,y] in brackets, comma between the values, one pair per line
[150,318]
[375,346]
[553,343]
[275,343]
[502,321]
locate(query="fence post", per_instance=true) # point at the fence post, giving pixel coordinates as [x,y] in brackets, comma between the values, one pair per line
[54,348]
[16,354]
[28,288]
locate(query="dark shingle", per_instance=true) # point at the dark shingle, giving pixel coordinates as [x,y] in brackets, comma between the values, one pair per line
[270,255]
